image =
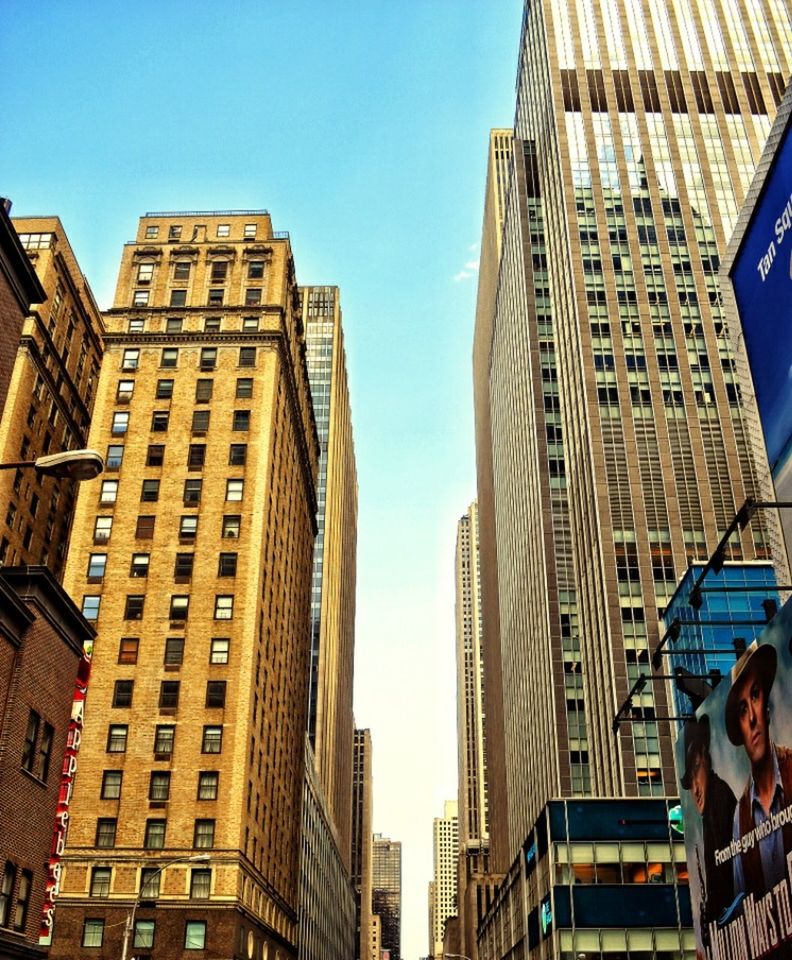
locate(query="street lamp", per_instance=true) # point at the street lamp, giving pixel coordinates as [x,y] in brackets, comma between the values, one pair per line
[130,920]
[71,464]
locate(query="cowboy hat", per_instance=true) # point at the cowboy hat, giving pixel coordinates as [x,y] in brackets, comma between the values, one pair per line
[761,660]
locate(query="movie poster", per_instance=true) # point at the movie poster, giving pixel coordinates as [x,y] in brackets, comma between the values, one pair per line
[734,766]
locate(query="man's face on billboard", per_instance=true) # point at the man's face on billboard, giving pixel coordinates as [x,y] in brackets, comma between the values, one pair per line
[699,777]
[752,714]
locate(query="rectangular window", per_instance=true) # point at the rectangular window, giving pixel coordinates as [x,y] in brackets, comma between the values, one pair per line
[136,325]
[178,298]
[218,651]
[150,883]
[93,932]
[212,740]
[31,735]
[212,324]
[241,420]
[169,694]
[235,490]
[115,456]
[164,736]
[174,325]
[247,356]
[90,607]
[231,526]
[203,837]
[122,693]
[134,607]
[237,454]
[244,388]
[227,565]
[159,785]
[219,270]
[224,230]
[128,649]
[170,357]
[105,832]
[255,269]
[144,530]
[188,528]
[103,527]
[159,421]
[108,492]
[145,272]
[24,889]
[200,884]
[117,738]
[195,935]
[151,233]
[182,571]
[155,835]
[97,562]
[174,232]
[155,455]
[174,651]
[111,784]
[200,422]
[130,359]
[144,934]
[215,693]
[253,297]
[140,298]
[179,607]
[224,607]
[196,456]
[164,389]
[203,391]
[208,781]
[208,358]
[140,565]
[192,492]
[100,881]
[120,422]
[216,297]
[6,892]
[45,751]
[124,391]
[250,324]
[149,491]
[250,231]
[181,270]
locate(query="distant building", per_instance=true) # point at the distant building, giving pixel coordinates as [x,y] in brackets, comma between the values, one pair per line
[192,558]
[362,847]
[42,638]
[386,893]
[50,399]
[445,855]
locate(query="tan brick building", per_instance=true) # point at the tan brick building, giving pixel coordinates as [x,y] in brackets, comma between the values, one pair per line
[50,398]
[194,562]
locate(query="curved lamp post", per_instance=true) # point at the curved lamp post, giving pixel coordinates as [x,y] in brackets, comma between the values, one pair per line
[70,465]
[130,920]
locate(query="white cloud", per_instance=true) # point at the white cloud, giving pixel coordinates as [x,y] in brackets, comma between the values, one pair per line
[462,275]
[472,265]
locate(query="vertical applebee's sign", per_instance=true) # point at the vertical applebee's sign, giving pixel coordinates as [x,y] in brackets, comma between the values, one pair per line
[73,738]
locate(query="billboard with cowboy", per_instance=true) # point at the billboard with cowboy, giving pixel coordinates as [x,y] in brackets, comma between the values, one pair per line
[735,774]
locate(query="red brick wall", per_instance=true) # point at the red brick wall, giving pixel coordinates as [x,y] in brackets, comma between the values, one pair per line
[11,317]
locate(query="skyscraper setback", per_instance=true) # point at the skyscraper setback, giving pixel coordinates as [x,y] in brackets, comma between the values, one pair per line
[612,447]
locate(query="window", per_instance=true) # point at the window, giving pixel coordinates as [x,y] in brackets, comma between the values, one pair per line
[151,233]
[192,492]
[234,489]
[140,565]
[96,566]
[111,784]
[149,491]
[150,883]
[244,388]
[181,270]
[93,932]
[164,389]
[196,456]
[224,230]
[115,456]
[31,735]
[144,933]
[145,272]
[250,324]
[124,391]
[200,421]
[203,837]
[128,649]
[215,693]
[120,422]
[200,884]
[23,899]
[188,528]
[237,454]
[134,607]
[253,296]
[212,740]
[169,694]
[179,607]
[164,736]
[207,784]
[182,571]
[117,738]
[255,270]
[203,391]
[231,525]
[247,356]
[174,651]
[218,650]
[140,298]
[216,297]
[155,835]
[208,358]
[122,693]
[212,324]
[144,529]
[136,326]
[102,529]
[219,270]
[170,357]
[178,298]
[6,892]
[45,751]
[100,881]
[224,607]
[108,492]
[195,935]
[250,231]
[241,420]
[227,565]
[159,421]
[130,359]
[173,325]
[159,785]
[174,232]
[90,607]
[105,832]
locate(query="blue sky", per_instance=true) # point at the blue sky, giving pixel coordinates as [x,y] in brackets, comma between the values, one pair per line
[362,128]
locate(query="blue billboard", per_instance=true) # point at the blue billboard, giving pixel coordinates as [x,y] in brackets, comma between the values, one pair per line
[762,279]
